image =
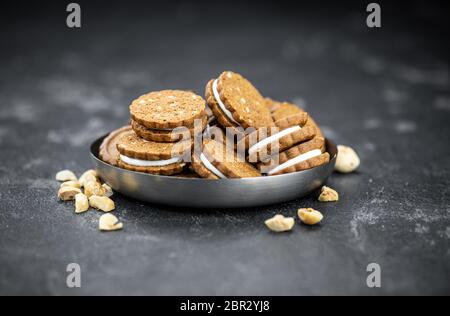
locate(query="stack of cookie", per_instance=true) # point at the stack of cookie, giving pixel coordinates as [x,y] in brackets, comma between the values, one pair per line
[163,125]
[171,131]
[279,137]
[297,144]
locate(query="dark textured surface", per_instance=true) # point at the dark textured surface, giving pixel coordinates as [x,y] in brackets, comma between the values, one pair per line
[384,92]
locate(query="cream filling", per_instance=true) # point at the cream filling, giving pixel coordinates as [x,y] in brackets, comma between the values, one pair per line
[266,141]
[149,163]
[221,105]
[296,160]
[211,167]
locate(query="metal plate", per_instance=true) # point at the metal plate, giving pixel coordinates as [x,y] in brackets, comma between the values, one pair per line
[204,193]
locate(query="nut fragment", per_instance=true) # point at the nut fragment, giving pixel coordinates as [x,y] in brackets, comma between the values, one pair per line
[65,175]
[89,175]
[109,222]
[81,203]
[73,184]
[108,192]
[309,216]
[102,203]
[93,188]
[68,193]
[279,223]
[347,160]
[327,194]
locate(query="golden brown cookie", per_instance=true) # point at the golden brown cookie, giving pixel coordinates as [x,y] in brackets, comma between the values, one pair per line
[168,109]
[264,143]
[108,149]
[131,145]
[272,105]
[236,102]
[140,155]
[287,114]
[286,109]
[168,170]
[216,163]
[300,157]
[314,125]
[167,135]
[200,168]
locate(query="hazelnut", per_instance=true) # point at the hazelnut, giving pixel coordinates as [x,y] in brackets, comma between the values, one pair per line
[102,203]
[65,175]
[109,222]
[327,194]
[279,223]
[347,160]
[309,216]
[81,203]
[108,192]
[68,193]
[73,184]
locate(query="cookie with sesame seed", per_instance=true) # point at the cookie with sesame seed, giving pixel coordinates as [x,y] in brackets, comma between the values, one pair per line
[263,143]
[235,102]
[304,156]
[200,168]
[287,114]
[272,105]
[168,109]
[214,162]
[137,154]
[169,135]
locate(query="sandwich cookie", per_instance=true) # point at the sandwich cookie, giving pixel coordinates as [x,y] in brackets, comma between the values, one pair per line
[108,149]
[168,109]
[137,154]
[287,114]
[297,158]
[262,144]
[235,102]
[214,163]
[167,135]
[272,105]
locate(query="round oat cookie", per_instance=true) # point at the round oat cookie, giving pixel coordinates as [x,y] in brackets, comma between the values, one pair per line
[236,102]
[287,138]
[166,135]
[317,143]
[108,149]
[314,125]
[133,146]
[167,170]
[221,164]
[287,114]
[199,168]
[168,109]
[286,109]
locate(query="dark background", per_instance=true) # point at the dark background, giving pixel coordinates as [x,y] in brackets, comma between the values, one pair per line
[384,92]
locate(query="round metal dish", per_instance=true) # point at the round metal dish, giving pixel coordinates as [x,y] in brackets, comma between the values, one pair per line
[204,193]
